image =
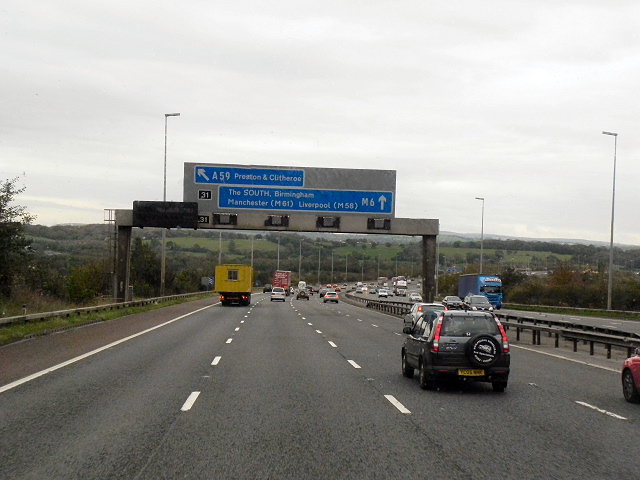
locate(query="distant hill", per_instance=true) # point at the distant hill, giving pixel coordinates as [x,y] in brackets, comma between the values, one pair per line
[465,237]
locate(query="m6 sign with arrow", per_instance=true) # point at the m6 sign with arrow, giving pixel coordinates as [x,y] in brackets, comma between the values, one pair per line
[232,188]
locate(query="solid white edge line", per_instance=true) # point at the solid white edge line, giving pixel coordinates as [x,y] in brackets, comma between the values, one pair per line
[354,364]
[593,407]
[11,385]
[190,401]
[561,357]
[216,360]
[397,404]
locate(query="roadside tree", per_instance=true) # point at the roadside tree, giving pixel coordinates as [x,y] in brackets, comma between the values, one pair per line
[14,246]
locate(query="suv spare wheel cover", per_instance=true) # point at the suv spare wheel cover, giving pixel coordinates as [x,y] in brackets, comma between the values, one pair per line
[483,350]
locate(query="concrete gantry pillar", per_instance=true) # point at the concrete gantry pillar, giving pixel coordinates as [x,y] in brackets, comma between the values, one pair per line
[429,263]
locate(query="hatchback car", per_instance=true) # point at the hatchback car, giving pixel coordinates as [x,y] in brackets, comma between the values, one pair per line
[451,302]
[457,345]
[383,292]
[267,288]
[631,378]
[278,293]
[415,297]
[477,302]
[330,297]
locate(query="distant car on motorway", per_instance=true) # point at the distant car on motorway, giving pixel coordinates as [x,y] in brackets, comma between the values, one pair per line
[451,302]
[323,292]
[631,378]
[278,293]
[417,310]
[267,288]
[330,296]
[415,297]
[302,295]
[383,292]
[477,302]
[358,289]
[457,345]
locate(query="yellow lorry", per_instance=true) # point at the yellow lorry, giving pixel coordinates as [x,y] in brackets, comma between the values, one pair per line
[234,283]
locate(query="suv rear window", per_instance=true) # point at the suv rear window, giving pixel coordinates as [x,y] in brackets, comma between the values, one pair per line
[468,325]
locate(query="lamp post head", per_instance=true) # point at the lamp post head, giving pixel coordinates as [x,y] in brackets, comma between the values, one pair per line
[171,114]
[480,198]
[610,133]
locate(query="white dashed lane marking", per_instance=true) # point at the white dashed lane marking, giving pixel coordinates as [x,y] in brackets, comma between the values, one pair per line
[190,401]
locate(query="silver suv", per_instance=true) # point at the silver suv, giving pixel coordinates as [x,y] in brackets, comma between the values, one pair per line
[458,345]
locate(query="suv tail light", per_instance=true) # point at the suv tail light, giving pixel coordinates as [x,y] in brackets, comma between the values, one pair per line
[436,336]
[505,341]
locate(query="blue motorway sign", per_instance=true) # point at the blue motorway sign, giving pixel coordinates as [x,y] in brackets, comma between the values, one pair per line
[306,200]
[233,175]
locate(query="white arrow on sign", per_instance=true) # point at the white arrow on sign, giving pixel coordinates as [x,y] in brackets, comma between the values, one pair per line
[202,174]
[382,201]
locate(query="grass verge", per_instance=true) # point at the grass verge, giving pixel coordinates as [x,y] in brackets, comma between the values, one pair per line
[15,332]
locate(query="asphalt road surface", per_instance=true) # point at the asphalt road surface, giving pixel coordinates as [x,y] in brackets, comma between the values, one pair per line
[296,390]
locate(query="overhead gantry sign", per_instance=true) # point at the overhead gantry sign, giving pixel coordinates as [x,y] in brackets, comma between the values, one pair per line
[298,199]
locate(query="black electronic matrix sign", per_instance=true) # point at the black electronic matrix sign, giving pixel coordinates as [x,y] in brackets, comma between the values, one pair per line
[165,214]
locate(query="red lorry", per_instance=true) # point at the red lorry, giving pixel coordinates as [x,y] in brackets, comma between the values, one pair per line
[282,278]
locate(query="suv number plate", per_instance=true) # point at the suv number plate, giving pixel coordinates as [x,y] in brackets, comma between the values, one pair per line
[470,372]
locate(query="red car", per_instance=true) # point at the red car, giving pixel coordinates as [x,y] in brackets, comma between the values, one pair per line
[631,378]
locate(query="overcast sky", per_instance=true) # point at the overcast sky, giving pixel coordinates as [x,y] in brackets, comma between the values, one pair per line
[505,100]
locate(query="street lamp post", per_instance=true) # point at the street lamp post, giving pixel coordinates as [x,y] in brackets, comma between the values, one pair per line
[164,199]
[613,202]
[319,250]
[300,262]
[252,250]
[481,236]
[346,267]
